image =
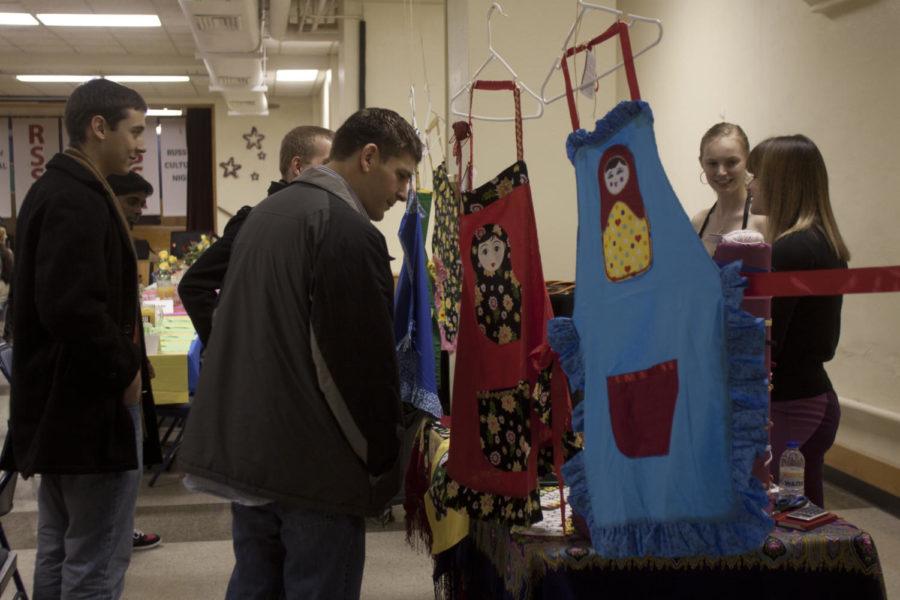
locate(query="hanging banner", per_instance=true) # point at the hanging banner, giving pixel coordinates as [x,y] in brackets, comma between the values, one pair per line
[5,184]
[173,155]
[147,166]
[35,141]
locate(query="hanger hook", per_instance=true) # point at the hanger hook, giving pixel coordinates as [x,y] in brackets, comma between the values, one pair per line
[490,15]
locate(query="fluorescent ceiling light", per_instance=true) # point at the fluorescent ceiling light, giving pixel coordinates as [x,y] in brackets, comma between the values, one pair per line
[8,18]
[296,75]
[55,78]
[116,78]
[98,20]
[148,78]
[164,112]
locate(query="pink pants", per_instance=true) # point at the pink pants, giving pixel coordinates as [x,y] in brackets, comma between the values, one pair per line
[813,423]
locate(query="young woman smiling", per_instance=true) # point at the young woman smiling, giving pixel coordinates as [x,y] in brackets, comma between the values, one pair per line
[723,157]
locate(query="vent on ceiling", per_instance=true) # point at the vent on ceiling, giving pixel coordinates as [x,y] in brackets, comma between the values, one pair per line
[217,23]
[309,16]
[231,81]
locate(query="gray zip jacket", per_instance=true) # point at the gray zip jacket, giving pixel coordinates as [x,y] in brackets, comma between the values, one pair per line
[298,399]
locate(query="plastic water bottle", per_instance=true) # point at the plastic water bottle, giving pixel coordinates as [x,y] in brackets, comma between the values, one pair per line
[790,470]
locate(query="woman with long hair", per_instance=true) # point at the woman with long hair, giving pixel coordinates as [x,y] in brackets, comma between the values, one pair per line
[790,187]
[723,158]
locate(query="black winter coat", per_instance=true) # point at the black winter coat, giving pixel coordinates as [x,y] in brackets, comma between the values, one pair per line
[76,306]
[200,286]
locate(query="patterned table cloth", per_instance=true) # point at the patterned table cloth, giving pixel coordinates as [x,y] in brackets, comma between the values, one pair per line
[837,560]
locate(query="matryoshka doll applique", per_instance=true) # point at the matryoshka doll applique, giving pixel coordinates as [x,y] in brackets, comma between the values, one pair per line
[627,251]
[498,294]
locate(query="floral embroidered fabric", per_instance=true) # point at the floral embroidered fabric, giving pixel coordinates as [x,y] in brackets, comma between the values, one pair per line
[498,187]
[446,258]
[523,511]
[505,427]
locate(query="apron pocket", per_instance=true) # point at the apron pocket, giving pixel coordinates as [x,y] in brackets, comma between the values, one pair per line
[641,409]
[505,426]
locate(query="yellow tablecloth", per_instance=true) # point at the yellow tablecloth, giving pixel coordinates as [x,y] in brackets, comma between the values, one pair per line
[170,386]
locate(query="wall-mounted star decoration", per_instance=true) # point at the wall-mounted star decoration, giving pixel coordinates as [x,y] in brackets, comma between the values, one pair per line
[254,176]
[230,167]
[261,155]
[254,139]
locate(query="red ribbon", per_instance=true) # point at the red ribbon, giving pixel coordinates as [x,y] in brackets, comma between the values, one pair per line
[824,282]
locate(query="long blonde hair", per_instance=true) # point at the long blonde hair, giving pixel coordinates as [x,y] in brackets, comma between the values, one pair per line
[794,181]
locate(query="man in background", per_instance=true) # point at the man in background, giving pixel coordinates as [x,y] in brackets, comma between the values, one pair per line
[75,415]
[296,418]
[132,192]
[303,147]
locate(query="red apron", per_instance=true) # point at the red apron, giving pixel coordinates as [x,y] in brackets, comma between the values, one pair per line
[510,397]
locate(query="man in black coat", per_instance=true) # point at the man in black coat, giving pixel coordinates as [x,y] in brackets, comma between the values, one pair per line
[75,415]
[303,147]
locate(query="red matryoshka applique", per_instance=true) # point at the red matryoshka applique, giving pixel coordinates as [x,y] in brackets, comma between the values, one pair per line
[627,251]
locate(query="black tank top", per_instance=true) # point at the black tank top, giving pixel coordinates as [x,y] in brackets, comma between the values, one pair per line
[709,214]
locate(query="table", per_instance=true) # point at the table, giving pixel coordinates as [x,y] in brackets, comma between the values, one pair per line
[172,382]
[837,560]
[170,386]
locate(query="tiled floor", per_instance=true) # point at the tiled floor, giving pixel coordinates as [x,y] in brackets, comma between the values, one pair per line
[195,559]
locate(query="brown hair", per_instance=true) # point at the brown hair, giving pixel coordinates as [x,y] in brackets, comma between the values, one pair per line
[300,141]
[794,182]
[723,130]
[102,97]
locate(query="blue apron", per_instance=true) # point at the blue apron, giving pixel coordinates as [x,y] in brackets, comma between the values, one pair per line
[412,316]
[671,428]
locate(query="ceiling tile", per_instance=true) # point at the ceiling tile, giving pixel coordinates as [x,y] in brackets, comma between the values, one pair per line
[167,6]
[36,37]
[176,26]
[104,49]
[137,50]
[182,38]
[57,6]
[119,7]
[49,49]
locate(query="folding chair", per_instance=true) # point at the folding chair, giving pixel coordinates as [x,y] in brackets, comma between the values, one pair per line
[8,564]
[179,414]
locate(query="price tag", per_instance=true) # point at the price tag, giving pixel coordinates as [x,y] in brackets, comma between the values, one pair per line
[589,74]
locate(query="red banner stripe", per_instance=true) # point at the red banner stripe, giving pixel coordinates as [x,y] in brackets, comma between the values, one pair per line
[824,282]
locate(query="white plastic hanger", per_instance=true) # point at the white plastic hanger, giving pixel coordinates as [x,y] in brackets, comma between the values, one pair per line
[629,19]
[494,55]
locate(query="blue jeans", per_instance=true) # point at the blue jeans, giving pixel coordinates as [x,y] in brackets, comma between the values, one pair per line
[294,553]
[85,527]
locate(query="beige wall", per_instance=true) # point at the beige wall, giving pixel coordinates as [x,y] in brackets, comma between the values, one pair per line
[777,67]
[231,193]
[394,60]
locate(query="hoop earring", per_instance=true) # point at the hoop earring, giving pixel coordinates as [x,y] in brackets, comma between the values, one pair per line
[703,181]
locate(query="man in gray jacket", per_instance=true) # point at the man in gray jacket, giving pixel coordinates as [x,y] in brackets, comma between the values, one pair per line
[297,413]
